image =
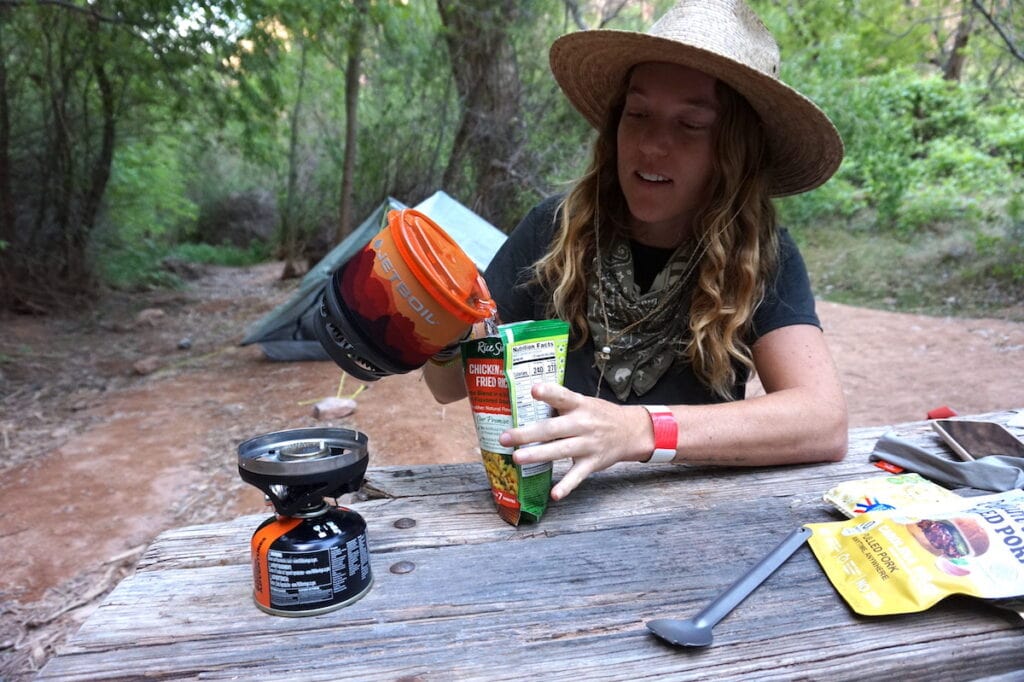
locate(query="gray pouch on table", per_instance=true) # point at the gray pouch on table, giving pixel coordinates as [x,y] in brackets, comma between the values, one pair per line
[997,473]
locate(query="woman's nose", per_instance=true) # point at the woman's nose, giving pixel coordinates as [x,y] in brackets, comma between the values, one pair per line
[654,139]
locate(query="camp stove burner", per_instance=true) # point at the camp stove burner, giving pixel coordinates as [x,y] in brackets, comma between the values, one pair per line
[311,557]
[304,450]
[298,468]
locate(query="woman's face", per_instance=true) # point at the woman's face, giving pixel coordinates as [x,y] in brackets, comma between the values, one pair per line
[665,147]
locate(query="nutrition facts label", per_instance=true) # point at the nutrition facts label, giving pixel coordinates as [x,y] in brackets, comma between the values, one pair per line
[532,363]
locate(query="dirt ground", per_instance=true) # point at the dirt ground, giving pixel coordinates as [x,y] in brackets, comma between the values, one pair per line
[120,422]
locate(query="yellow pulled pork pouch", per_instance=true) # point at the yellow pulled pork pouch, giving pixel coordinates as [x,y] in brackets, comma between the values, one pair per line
[904,561]
[500,369]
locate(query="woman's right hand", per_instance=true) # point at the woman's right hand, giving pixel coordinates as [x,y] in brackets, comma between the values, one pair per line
[593,433]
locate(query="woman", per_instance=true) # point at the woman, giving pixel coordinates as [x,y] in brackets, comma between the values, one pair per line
[666,259]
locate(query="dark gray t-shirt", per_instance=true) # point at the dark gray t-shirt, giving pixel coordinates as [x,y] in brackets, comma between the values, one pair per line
[788,301]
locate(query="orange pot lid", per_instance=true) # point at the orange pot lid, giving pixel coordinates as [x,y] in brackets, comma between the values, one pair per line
[441,266]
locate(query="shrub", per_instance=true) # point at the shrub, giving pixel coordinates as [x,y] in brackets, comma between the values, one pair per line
[1003,137]
[140,265]
[836,199]
[1002,256]
[146,195]
[136,267]
[221,255]
[928,205]
[971,169]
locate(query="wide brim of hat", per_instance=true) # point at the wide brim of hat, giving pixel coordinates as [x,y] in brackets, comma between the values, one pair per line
[805,147]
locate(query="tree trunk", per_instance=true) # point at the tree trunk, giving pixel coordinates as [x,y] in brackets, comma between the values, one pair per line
[60,161]
[82,229]
[489,138]
[6,194]
[954,66]
[289,228]
[353,70]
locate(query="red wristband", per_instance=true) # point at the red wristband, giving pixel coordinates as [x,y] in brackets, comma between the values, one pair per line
[666,434]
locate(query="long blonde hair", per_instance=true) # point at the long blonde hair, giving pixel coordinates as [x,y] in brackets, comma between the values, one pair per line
[736,227]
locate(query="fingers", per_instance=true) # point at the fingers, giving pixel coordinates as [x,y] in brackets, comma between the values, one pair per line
[580,470]
[562,400]
[547,431]
[557,396]
[580,432]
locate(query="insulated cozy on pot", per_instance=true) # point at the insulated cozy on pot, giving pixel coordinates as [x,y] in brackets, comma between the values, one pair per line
[408,294]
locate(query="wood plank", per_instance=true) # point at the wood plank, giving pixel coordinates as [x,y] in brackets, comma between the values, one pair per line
[578,609]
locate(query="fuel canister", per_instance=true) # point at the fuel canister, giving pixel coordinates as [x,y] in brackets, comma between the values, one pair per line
[308,566]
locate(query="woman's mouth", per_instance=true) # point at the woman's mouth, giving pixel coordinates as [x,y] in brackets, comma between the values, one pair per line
[652,177]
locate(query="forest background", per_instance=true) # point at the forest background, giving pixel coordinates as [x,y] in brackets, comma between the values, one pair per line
[139,134]
[138,137]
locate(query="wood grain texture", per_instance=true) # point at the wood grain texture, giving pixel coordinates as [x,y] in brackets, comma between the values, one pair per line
[566,598]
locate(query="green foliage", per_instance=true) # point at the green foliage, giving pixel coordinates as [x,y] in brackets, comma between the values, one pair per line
[920,153]
[974,170]
[846,38]
[1008,256]
[407,110]
[220,255]
[214,165]
[146,196]
[837,201]
[84,83]
[140,267]
[1001,256]
[1002,131]
[136,268]
[930,205]
[934,276]
[934,107]
[925,211]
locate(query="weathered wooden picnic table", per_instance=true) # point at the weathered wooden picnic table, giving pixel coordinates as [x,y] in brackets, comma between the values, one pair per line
[566,598]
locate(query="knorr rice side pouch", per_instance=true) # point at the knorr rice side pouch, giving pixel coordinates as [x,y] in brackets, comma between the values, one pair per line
[906,560]
[500,370]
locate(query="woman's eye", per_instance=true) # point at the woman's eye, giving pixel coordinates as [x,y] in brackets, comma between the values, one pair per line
[692,126]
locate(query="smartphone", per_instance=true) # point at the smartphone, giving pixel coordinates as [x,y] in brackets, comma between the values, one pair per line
[973,439]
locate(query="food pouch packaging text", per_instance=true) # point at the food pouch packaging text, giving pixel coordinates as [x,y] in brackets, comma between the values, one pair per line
[500,369]
[906,561]
[887,493]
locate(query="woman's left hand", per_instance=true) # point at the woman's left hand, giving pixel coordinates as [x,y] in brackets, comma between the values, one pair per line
[594,433]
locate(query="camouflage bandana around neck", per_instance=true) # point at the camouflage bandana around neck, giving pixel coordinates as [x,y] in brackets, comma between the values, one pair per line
[637,338]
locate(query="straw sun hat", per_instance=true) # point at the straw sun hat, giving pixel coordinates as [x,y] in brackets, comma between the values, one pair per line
[724,39]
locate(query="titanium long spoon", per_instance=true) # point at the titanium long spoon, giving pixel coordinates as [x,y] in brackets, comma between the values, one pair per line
[697,630]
